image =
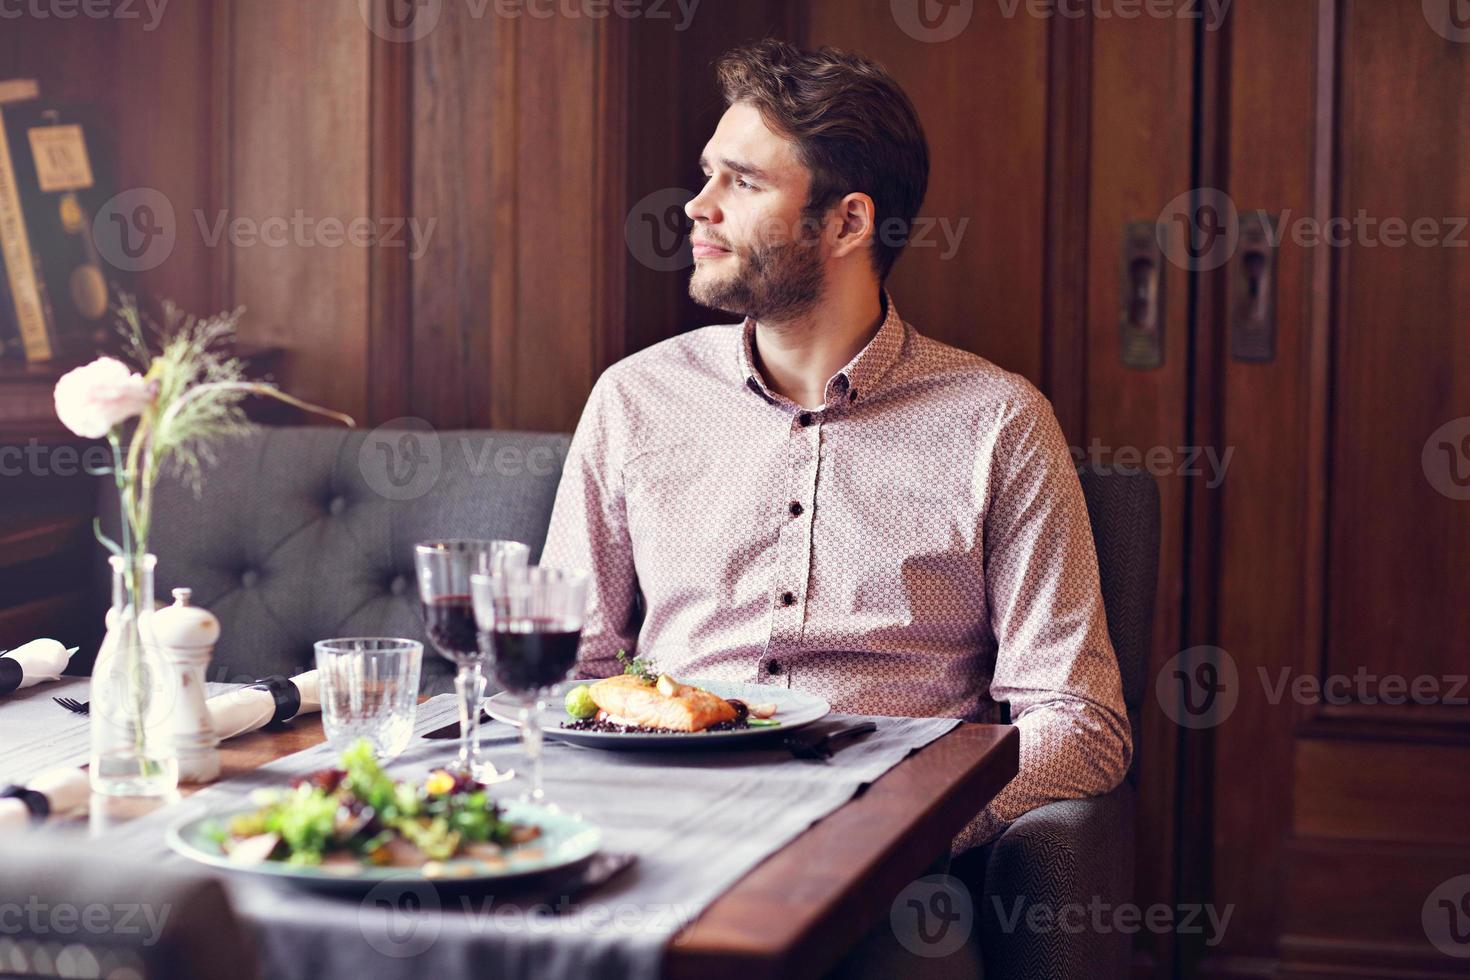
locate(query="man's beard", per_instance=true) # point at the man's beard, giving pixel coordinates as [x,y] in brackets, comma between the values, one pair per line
[775,282]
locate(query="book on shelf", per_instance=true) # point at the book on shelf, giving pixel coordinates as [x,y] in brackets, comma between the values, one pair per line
[55,292]
[19,90]
[11,91]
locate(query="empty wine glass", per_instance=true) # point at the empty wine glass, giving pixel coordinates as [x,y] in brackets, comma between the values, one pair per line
[531,621]
[444,570]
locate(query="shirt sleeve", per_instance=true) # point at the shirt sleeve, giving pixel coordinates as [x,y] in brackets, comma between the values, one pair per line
[1054,661]
[589,530]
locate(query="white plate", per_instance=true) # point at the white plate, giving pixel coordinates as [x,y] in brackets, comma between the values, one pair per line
[566,840]
[794,709]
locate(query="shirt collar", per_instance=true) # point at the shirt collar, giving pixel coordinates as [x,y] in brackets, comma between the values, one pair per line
[856,379]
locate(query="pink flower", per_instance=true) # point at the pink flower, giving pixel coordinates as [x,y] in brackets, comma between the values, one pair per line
[91,399]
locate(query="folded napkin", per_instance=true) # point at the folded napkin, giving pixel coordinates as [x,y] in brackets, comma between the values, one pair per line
[51,792]
[274,700]
[34,663]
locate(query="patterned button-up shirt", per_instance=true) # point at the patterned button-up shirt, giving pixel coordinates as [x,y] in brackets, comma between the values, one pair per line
[918,545]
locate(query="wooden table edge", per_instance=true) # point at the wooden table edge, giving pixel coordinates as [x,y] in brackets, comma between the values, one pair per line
[957,774]
[735,936]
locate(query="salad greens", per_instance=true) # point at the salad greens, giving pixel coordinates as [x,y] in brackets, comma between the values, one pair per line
[360,811]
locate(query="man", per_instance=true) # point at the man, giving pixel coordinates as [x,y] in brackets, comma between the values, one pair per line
[821,497]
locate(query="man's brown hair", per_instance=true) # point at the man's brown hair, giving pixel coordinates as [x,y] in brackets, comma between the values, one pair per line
[854,129]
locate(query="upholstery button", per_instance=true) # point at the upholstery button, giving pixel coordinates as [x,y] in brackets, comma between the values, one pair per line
[788,599]
[337,505]
[804,419]
[774,667]
[399,585]
[796,508]
[249,578]
[852,395]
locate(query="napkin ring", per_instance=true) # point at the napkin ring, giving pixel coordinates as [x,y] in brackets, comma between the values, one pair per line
[10,674]
[286,695]
[34,801]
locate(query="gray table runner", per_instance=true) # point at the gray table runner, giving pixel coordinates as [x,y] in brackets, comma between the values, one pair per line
[698,821]
[38,735]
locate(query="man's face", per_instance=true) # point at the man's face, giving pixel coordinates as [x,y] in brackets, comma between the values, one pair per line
[754,255]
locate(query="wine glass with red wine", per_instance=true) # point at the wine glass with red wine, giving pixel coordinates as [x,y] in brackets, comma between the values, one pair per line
[531,620]
[444,570]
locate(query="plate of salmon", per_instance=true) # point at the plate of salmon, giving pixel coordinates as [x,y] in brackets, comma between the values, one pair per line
[644,709]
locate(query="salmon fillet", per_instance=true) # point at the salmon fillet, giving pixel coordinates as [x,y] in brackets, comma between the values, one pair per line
[637,702]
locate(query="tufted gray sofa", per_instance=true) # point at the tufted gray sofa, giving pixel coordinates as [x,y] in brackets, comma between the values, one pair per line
[301,534]
[307,533]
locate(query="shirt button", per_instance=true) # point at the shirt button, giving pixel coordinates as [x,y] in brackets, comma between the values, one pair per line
[804,419]
[774,667]
[788,599]
[796,508]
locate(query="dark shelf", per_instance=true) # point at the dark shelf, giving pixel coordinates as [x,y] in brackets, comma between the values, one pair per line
[27,410]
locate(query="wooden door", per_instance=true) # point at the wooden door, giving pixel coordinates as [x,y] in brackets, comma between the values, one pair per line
[1339,770]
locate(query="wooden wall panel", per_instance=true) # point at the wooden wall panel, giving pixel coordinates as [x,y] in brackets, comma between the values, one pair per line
[299,143]
[1142,71]
[668,126]
[1356,789]
[1354,909]
[556,241]
[1266,419]
[982,97]
[1396,570]
[462,178]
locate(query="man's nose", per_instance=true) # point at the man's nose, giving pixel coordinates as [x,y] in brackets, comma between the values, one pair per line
[703,207]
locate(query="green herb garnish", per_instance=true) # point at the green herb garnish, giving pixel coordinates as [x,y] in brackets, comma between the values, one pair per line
[640,667]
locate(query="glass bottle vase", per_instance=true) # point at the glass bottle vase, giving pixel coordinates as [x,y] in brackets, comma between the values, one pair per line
[134,692]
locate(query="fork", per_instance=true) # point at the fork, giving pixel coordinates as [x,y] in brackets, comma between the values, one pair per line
[75,706]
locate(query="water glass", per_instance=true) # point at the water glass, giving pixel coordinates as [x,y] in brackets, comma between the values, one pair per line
[369,689]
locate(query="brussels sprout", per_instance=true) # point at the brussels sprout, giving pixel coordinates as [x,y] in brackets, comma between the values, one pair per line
[580,703]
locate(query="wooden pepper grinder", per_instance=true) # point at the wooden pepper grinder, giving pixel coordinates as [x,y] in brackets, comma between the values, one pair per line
[186,635]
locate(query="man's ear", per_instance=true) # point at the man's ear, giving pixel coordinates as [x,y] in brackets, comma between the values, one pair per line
[852,224]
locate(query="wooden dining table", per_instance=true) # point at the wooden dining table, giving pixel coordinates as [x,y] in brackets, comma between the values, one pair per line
[796,913]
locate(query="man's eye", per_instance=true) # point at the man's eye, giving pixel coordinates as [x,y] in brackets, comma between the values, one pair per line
[742,183]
